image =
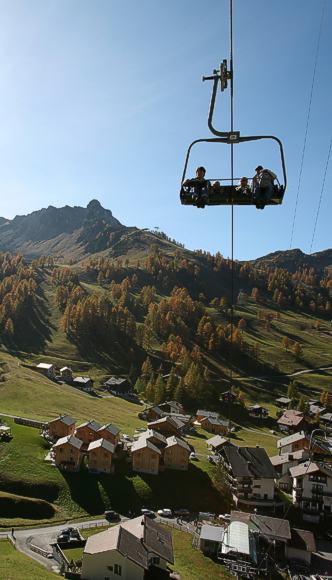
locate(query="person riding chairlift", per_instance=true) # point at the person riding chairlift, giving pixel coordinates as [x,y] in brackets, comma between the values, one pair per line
[263,186]
[200,185]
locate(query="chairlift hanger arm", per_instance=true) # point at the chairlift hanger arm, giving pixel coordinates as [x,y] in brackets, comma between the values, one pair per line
[223,75]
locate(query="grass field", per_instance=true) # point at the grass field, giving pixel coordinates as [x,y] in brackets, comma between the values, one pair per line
[14,565]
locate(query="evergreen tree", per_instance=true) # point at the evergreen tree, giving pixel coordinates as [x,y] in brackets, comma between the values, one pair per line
[159,390]
[171,384]
[179,391]
[139,386]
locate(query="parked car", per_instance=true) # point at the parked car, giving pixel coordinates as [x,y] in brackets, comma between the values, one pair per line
[182,512]
[225,517]
[148,513]
[165,513]
[112,516]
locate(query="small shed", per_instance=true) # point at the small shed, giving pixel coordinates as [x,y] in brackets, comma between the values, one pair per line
[119,385]
[84,383]
[210,539]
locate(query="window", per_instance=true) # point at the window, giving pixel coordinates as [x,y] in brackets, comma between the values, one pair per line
[117,569]
[155,560]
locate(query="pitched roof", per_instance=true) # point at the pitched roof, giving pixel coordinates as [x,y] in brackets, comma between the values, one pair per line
[113,381]
[101,443]
[45,366]
[65,369]
[310,467]
[291,418]
[143,443]
[111,428]
[283,400]
[82,380]
[170,420]
[303,540]
[327,417]
[288,457]
[151,434]
[66,419]
[93,425]
[211,533]
[218,441]
[134,539]
[271,527]
[203,413]
[249,461]
[70,440]
[171,441]
[214,421]
[291,439]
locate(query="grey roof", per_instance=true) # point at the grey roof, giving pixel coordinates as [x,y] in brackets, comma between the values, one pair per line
[310,467]
[204,413]
[70,440]
[327,417]
[171,441]
[314,409]
[93,425]
[249,462]
[158,540]
[151,434]
[303,540]
[172,420]
[212,533]
[111,428]
[271,527]
[291,439]
[214,421]
[82,380]
[101,443]
[288,457]
[283,400]
[143,443]
[66,419]
[113,381]
[218,441]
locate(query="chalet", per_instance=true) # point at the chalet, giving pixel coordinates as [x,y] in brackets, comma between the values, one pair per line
[293,442]
[291,421]
[47,369]
[100,456]
[215,425]
[155,438]
[67,453]
[152,413]
[283,402]
[176,454]
[136,549]
[88,432]
[238,550]
[83,383]
[326,419]
[228,397]
[250,475]
[61,427]
[118,385]
[66,374]
[258,412]
[168,426]
[301,546]
[282,464]
[201,414]
[300,440]
[316,410]
[312,490]
[172,407]
[145,456]
[110,433]
[217,443]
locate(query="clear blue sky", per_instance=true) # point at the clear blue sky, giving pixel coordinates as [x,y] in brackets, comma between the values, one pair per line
[100,99]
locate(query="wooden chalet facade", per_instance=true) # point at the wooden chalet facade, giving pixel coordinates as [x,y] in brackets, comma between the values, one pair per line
[61,427]
[68,453]
[100,456]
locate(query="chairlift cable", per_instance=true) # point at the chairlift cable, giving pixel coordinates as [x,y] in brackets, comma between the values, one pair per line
[321,195]
[308,119]
[232,200]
